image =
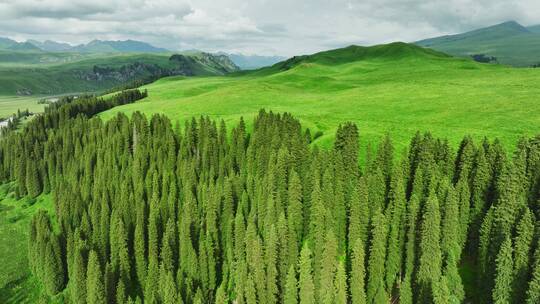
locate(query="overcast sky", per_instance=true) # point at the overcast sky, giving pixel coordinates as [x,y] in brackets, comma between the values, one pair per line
[280,27]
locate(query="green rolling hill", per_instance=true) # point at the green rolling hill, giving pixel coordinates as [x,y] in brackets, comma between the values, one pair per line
[397,89]
[510,42]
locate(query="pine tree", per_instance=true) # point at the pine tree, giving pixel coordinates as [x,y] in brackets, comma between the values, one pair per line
[221,295]
[340,285]
[78,281]
[452,281]
[429,268]
[396,210]
[251,292]
[167,286]
[405,291]
[450,226]
[328,270]
[485,234]
[271,270]
[53,270]
[359,213]
[533,289]
[294,207]
[140,245]
[291,287]
[441,293]
[95,288]
[504,278]
[306,286]
[357,278]
[32,179]
[523,242]
[120,292]
[376,292]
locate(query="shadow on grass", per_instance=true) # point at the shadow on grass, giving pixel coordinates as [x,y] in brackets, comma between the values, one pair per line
[16,291]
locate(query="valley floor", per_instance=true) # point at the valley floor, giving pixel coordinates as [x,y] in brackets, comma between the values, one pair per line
[10,104]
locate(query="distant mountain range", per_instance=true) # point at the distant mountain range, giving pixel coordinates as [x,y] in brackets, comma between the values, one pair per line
[245,62]
[507,43]
[126,46]
[94,46]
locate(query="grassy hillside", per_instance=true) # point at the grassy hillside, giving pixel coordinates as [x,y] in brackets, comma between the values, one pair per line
[40,74]
[510,42]
[16,283]
[397,89]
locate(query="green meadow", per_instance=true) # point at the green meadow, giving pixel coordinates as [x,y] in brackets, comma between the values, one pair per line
[10,104]
[396,89]
[17,285]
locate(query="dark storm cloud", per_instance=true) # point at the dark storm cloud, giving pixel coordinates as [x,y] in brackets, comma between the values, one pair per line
[258,26]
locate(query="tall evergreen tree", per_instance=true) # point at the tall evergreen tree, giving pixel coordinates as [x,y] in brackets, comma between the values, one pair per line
[328,271]
[340,285]
[306,286]
[523,242]
[53,269]
[376,291]
[95,287]
[291,287]
[504,279]
[533,288]
[357,278]
[78,279]
[429,267]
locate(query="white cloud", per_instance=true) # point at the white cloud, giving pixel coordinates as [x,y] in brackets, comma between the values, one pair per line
[285,27]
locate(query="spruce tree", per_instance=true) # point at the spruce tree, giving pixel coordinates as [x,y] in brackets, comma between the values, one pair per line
[328,271]
[376,291]
[306,286]
[95,288]
[120,292]
[78,281]
[53,270]
[291,287]
[357,277]
[504,277]
[32,179]
[340,285]
[396,211]
[429,267]
[359,213]
[167,286]
[271,269]
[523,242]
[533,288]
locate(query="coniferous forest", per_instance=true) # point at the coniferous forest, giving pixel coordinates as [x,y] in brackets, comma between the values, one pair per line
[151,211]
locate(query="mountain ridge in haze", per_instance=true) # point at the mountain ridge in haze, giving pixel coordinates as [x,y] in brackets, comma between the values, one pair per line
[94,46]
[51,46]
[118,46]
[509,42]
[245,62]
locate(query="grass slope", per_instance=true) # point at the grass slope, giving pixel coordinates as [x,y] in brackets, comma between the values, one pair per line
[17,285]
[510,42]
[396,89]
